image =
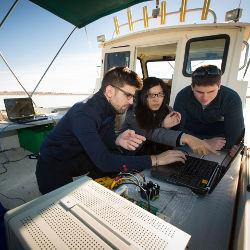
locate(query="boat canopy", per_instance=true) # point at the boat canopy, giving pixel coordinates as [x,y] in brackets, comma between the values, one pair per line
[83,12]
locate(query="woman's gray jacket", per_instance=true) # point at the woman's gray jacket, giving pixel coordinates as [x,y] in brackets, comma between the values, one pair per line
[160,135]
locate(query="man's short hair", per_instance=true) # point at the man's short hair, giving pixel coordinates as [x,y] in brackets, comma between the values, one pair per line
[206,75]
[119,76]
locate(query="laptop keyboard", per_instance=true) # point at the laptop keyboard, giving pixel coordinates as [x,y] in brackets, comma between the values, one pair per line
[195,173]
[198,167]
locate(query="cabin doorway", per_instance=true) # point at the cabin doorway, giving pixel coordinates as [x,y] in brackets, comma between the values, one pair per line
[157,61]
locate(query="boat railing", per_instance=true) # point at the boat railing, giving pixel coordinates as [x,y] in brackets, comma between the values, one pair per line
[246,55]
[161,15]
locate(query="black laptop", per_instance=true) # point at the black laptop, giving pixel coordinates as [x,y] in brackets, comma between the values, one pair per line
[21,110]
[198,174]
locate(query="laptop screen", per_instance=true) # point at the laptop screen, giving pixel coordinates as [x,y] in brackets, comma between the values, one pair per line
[233,152]
[18,108]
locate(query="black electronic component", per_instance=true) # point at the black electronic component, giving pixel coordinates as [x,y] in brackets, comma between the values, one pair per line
[152,190]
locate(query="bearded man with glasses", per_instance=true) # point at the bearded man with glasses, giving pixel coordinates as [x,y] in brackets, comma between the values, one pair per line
[209,110]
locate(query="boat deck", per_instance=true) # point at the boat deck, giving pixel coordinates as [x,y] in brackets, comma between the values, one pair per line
[18,183]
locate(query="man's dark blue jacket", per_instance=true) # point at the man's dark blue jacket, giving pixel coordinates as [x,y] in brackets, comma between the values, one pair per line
[222,117]
[88,127]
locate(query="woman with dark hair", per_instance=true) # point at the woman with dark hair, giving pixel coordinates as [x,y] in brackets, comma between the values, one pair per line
[151,107]
[152,117]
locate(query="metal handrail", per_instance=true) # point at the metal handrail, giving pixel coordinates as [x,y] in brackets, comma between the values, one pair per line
[14,74]
[246,55]
[170,14]
[6,16]
[248,169]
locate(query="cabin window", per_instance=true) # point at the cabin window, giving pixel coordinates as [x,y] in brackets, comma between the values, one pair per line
[161,69]
[206,50]
[116,59]
[158,61]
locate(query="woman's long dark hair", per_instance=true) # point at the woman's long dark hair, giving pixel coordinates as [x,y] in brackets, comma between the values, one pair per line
[147,118]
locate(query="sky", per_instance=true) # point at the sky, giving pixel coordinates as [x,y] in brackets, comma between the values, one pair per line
[31,37]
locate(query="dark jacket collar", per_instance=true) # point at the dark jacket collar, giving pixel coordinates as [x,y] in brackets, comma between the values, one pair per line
[102,105]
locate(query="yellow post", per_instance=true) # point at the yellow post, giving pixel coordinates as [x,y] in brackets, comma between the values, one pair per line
[163,12]
[117,29]
[183,10]
[205,10]
[145,16]
[130,22]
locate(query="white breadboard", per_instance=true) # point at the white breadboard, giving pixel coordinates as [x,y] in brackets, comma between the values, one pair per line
[86,215]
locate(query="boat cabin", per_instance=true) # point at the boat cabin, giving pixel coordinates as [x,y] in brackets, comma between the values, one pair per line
[173,53]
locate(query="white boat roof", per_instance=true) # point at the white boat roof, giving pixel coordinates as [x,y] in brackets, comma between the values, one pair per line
[178,28]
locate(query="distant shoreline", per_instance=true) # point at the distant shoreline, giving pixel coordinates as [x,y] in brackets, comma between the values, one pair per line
[39,93]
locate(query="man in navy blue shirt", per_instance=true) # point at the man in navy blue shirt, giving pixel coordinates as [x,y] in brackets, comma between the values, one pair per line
[84,141]
[209,110]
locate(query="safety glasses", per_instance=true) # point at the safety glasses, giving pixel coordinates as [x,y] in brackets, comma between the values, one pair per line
[129,96]
[209,72]
[160,94]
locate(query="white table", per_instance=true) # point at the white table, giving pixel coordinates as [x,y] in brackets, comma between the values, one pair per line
[207,218]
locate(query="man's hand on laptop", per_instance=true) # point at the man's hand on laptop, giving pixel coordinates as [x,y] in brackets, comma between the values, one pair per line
[129,140]
[217,142]
[200,147]
[168,157]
